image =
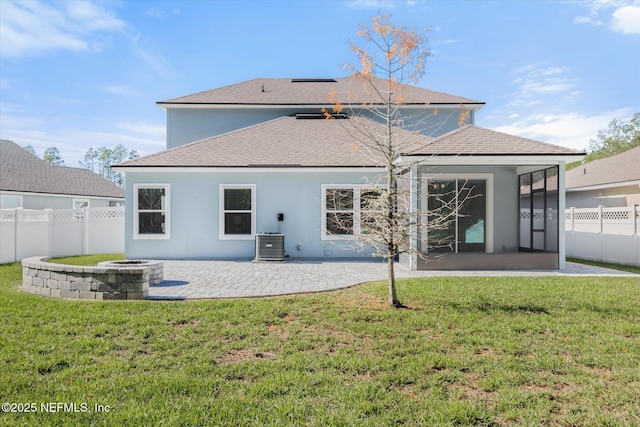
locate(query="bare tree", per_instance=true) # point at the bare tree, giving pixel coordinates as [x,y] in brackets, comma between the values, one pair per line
[388,224]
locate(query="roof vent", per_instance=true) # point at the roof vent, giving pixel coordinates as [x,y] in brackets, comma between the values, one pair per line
[318,116]
[314,81]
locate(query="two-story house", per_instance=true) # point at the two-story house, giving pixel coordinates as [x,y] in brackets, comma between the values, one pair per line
[259,156]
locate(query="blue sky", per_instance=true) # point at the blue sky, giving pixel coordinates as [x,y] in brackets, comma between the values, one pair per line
[82,74]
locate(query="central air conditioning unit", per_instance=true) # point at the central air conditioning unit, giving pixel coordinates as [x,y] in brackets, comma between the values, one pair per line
[269,247]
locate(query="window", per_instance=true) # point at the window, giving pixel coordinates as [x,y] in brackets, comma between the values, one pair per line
[151,211]
[237,211]
[80,203]
[539,210]
[457,215]
[348,210]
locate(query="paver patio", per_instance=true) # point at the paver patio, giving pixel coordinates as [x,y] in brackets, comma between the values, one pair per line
[231,279]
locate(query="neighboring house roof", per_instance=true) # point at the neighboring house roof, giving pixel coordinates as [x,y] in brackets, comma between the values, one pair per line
[622,169]
[21,171]
[292,142]
[473,140]
[286,91]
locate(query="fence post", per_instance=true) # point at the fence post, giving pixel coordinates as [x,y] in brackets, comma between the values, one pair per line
[49,213]
[573,229]
[601,228]
[635,234]
[15,233]
[85,231]
[600,219]
[573,221]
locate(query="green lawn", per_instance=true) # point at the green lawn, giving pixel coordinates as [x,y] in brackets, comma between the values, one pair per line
[621,267]
[466,351]
[88,259]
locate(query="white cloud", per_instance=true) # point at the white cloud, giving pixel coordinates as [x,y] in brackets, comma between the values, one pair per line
[623,16]
[587,20]
[155,12]
[627,20]
[34,28]
[573,130]
[535,81]
[121,90]
[73,142]
[371,4]
[143,129]
[158,13]
[6,83]
[380,4]
[152,55]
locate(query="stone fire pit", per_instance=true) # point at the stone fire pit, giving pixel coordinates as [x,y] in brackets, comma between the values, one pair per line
[111,280]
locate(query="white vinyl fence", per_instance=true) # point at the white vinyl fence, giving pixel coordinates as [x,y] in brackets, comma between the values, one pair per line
[604,234]
[54,233]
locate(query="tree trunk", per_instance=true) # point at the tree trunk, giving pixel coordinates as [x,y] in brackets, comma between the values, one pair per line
[393,296]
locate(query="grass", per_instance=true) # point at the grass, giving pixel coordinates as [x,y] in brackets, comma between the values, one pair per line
[559,351]
[88,259]
[621,267]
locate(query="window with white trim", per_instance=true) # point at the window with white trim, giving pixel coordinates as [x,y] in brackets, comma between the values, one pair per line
[237,211]
[348,210]
[151,211]
[80,203]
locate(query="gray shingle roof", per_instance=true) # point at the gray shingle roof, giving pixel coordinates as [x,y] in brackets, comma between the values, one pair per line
[478,141]
[291,142]
[24,172]
[620,168]
[285,141]
[284,91]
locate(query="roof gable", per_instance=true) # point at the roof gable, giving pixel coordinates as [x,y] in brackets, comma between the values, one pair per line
[620,168]
[22,171]
[286,91]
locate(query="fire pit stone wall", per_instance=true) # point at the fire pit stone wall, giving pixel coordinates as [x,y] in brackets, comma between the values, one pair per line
[119,280]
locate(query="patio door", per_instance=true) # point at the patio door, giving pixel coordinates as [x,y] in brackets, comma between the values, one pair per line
[539,210]
[457,215]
